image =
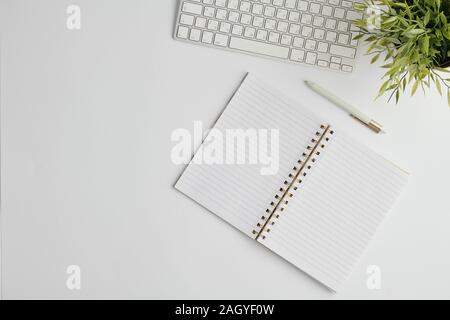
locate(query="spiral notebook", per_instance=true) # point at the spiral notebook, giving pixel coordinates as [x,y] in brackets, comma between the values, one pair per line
[322,205]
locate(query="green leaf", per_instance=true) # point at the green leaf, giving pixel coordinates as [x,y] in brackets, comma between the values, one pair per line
[426,19]
[446,33]
[359,6]
[414,88]
[375,58]
[414,32]
[399,4]
[442,69]
[425,44]
[443,18]
[360,23]
[438,86]
[383,87]
[390,20]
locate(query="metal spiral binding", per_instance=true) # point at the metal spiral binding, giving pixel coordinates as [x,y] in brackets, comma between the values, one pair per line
[292,183]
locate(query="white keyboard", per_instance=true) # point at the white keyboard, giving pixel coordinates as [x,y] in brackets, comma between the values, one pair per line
[314,32]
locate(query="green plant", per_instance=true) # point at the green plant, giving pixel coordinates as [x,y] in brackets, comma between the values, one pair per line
[413,36]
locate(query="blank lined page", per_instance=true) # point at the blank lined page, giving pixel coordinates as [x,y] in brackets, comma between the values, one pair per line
[336,210]
[239,193]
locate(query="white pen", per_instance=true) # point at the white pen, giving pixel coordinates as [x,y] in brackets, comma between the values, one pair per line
[354,112]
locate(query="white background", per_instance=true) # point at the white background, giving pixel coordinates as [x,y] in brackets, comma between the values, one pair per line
[87,178]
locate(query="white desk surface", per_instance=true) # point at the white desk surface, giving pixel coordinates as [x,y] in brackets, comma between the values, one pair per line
[87,178]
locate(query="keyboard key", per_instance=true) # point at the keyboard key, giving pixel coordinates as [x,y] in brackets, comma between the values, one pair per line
[221,40]
[294,29]
[311,58]
[307,31]
[200,22]
[314,8]
[306,18]
[195,35]
[221,3]
[290,4]
[310,44]
[297,55]
[245,6]
[183,32]
[250,32]
[327,11]
[322,63]
[342,26]
[187,19]
[343,38]
[331,36]
[233,4]
[286,40]
[323,56]
[221,14]
[318,21]
[257,9]
[294,16]
[270,24]
[322,47]
[330,24]
[258,22]
[339,13]
[233,16]
[346,68]
[225,27]
[209,12]
[282,26]
[336,60]
[261,35]
[246,19]
[282,14]
[213,25]
[342,51]
[269,12]
[335,66]
[302,5]
[237,30]
[347,4]
[192,8]
[259,47]
[274,37]
[319,34]
[207,37]
[298,42]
